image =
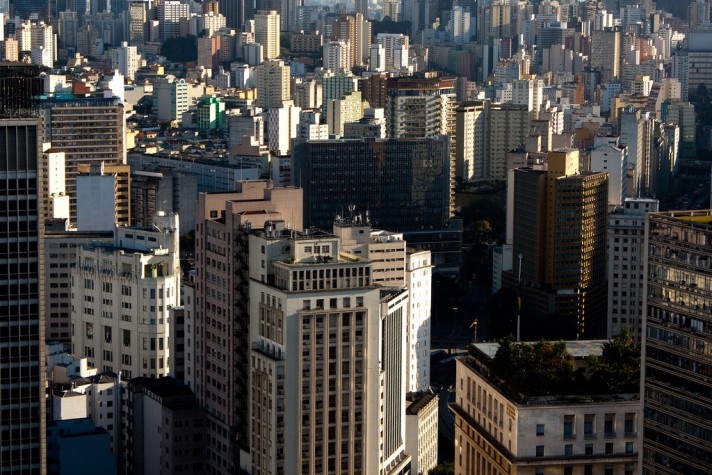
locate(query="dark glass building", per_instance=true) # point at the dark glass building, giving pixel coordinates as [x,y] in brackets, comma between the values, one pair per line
[677,422]
[22,398]
[403,184]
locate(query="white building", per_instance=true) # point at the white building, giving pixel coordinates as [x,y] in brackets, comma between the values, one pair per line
[121,296]
[421,428]
[459,27]
[613,159]
[314,315]
[126,59]
[170,98]
[626,257]
[528,92]
[396,47]
[336,56]
[57,206]
[169,15]
[395,265]
[282,125]
[377,60]
[310,126]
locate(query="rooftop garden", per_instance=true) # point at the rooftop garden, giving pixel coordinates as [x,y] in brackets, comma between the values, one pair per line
[547,369]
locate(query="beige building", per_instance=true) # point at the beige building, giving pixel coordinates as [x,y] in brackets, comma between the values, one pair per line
[222,347]
[314,331]
[501,432]
[272,83]
[121,296]
[267,32]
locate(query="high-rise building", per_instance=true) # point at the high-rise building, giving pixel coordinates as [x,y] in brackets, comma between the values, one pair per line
[237,12]
[355,30]
[395,265]
[126,59]
[336,56]
[169,14]
[559,237]
[272,83]
[60,257]
[611,158]
[88,130]
[22,306]
[421,106]
[170,98]
[222,319]
[267,30]
[412,174]
[396,50]
[677,308]
[137,17]
[121,295]
[325,342]
[486,133]
[626,261]
[106,184]
[528,92]
[605,53]
[699,58]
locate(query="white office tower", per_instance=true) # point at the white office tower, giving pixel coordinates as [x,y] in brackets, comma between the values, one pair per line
[609,156]
[396,265]
[626,259]
[126,59]
[282,125]
[459,27]
[267,29]
[337,56]
[326,359]
[377,60]
[121,296]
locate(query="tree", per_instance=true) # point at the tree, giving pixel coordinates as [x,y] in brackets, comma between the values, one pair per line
[180,49]
[443,469]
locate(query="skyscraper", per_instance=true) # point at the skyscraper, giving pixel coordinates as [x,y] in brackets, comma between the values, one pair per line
[22,376]
[605,53]
[267,32]
[421,106]
[237,12]
[559,236]
[676,343]
[222,317]
[410,174]
[88,130]
[272,83]
[626,262]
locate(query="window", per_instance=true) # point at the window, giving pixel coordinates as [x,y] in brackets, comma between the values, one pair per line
[588,425]
[588,470]
[569,427]
[609,447]
[127,337]
[568,449]
[588,449]
[539,471]
[629,447]
[540,429]
[539,450]
[568,470]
